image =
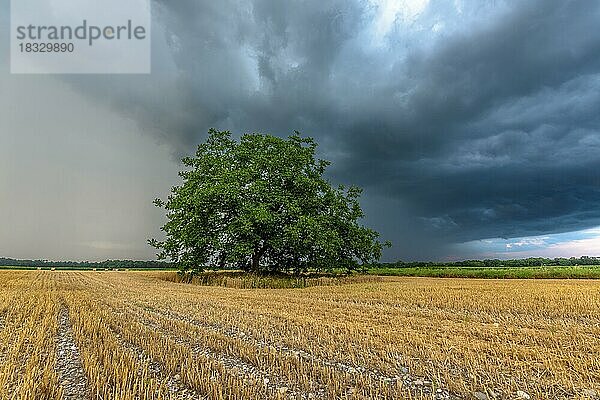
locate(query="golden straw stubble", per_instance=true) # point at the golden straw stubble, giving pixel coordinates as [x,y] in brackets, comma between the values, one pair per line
[134,335]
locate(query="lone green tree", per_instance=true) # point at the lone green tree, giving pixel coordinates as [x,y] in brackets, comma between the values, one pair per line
[261,204]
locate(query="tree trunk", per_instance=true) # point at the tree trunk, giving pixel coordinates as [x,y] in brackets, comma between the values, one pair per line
[257,256]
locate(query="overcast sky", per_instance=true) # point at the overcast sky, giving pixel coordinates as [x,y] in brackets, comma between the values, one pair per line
[473,126]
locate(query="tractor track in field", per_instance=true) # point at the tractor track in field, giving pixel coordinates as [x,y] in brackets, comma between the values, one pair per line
[417,385]
[177,389]
[277,386]
[69,367]
[2,326]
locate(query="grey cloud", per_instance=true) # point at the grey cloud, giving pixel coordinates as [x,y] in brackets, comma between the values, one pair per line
[484,130]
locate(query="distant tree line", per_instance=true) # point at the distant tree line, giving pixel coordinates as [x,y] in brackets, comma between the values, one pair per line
[495,263]
[120,264]
[492,263]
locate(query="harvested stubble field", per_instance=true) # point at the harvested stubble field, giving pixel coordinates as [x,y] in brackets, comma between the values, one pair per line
[120,335]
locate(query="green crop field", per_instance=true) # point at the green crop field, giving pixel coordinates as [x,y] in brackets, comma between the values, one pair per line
[553,272]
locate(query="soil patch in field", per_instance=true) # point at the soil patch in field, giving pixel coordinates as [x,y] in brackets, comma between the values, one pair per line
[69,367]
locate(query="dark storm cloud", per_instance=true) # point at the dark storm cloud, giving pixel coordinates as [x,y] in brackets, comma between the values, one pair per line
[484,130]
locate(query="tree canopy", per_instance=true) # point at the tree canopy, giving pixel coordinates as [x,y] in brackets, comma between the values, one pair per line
[261,204]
